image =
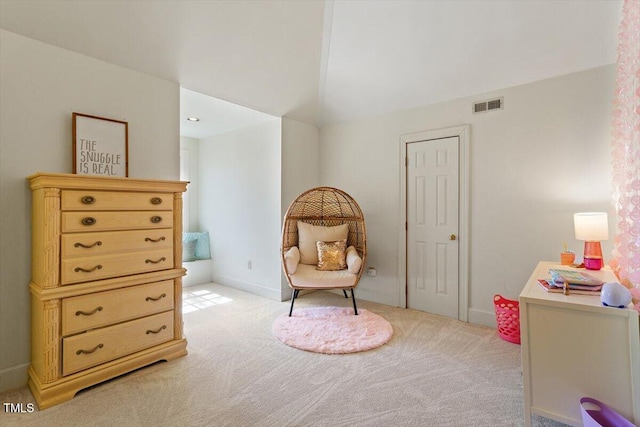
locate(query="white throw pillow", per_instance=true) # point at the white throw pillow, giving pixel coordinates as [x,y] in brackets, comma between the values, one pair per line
[291,259]
[309,234]
[354,262]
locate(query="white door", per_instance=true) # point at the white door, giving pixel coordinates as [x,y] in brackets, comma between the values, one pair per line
[432,225]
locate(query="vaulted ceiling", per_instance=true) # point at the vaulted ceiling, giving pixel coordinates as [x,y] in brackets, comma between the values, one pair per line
[331,61]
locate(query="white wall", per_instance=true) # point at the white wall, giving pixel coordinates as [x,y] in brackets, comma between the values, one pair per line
[300,167]
[40,86]
[240,206]
[192,197]
[533,164]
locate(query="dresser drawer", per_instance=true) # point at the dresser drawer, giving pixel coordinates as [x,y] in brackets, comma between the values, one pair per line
[86,200]
[89,244]
[104,221]
[106,308]
[102,345]
[84,269]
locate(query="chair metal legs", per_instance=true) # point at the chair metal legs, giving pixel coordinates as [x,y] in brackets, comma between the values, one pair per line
[293,298]
[353,296]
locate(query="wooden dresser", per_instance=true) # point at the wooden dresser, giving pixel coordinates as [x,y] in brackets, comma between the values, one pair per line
[106,285]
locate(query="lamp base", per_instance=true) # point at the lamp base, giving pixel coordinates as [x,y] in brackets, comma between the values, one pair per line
[593,263]
[593,256]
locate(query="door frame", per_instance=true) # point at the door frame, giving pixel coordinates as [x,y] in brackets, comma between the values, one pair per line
[463,134]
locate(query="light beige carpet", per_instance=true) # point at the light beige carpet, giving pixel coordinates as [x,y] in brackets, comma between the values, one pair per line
[434,371]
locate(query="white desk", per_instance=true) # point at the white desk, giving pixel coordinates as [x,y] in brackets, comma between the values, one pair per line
[574,347]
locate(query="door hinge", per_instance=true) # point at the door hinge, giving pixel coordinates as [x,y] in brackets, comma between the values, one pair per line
[406,161]
[406,226]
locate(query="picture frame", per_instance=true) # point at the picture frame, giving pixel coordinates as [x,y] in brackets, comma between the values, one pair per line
[100,146]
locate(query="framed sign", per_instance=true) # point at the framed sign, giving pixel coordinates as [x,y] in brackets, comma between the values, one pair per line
[100,146]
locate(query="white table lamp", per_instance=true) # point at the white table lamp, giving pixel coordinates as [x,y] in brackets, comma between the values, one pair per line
[592,227]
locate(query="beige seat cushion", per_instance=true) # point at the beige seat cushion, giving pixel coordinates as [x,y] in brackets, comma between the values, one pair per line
[309,234]
[292,260]
[307,276]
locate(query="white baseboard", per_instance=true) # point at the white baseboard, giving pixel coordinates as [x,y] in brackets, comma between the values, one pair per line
[198,272]
[480,317]
[376,296]
[14,377]
[372,296]
[475,316]
[286,293]
[274,294]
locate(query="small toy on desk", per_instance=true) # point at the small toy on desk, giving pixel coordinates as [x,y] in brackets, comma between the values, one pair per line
[615,295]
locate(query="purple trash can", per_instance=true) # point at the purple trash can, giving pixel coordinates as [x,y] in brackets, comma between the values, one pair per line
[597,414]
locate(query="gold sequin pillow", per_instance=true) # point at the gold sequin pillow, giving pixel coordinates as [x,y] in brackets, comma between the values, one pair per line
[332,255]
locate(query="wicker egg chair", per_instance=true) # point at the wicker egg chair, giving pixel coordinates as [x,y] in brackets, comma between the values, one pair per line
[324,207]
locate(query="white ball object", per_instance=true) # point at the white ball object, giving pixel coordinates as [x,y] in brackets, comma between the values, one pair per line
[615,295]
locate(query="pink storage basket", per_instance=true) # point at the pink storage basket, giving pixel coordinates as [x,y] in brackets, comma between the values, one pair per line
[507,318]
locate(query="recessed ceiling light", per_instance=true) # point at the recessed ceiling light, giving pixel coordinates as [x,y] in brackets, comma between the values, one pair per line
[193,119]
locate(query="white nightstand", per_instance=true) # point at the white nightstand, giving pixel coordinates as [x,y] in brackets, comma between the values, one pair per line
[573,347]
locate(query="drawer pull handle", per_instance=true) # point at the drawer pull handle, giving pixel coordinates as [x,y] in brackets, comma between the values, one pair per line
[88,221]
[155,299]
[79,269]
[149,261]
[88,200]
[149,239]
[149,331]
[81,245]
[156,201]
[79,352]
[156,219]
[88,313]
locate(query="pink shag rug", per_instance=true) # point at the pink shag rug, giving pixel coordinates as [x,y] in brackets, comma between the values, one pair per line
[332,330]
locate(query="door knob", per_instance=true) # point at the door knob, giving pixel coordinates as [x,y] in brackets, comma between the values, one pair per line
[452,237]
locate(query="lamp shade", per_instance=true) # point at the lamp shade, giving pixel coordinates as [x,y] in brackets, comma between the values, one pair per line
[591,226]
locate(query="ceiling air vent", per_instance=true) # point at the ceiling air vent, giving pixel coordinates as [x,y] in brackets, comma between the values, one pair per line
[490,105]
